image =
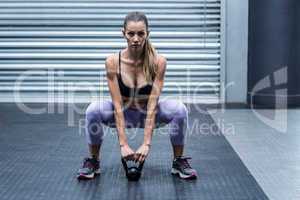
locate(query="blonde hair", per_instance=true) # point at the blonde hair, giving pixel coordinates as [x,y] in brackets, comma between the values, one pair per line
[149,54]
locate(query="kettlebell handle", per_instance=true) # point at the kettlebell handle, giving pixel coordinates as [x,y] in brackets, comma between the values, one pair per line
[141,164]
[140,167]
[124,165]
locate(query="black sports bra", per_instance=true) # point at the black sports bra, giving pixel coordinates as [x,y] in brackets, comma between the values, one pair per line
[132,92]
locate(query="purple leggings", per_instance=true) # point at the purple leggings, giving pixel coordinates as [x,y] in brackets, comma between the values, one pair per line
[169,111]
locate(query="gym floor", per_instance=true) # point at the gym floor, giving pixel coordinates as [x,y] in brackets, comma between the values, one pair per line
[242,159]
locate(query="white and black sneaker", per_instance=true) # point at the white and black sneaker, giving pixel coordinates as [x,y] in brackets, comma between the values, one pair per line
[182,168]
[89,169]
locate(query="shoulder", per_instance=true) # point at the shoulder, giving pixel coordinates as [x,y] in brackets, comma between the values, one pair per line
[161,62]
[111,60]
[111,64]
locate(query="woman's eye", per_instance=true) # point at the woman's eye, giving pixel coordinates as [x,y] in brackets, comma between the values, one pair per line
[130,34]
[141,34]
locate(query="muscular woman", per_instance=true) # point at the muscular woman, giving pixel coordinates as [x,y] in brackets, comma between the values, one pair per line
[135,78]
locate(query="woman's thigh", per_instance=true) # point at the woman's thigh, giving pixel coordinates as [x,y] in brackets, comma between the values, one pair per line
[102,110]
[168,109]
[105,110]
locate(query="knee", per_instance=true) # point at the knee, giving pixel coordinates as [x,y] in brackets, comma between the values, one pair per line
[97,110]
[182,111]
[91,111]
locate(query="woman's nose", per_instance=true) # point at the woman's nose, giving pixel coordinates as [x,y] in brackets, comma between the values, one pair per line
[135,38]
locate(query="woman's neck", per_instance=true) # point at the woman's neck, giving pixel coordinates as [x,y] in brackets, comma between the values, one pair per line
[133,56]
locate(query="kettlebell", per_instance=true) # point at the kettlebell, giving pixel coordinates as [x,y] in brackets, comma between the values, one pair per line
[133,173]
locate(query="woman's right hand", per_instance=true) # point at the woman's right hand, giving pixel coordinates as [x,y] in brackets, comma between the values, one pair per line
[126,152]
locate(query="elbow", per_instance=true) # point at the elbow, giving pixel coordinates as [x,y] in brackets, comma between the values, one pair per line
[152,107]
[118,108]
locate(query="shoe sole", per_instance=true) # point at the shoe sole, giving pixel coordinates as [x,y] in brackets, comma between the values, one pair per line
[181,175]
[87,177]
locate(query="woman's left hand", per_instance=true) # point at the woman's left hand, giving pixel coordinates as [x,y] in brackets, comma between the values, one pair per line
[142,153]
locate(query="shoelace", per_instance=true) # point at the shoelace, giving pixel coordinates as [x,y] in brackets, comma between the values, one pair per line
[184,162]
[88,163]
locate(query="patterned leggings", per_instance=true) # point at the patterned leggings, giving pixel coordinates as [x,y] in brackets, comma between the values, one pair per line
[169,111]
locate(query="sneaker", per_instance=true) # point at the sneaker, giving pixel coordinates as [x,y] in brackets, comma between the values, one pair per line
[182,168]
[89,169]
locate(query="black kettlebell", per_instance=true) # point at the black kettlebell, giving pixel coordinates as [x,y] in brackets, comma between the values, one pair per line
[133,173]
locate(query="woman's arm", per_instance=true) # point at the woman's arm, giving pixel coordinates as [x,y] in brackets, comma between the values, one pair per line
[153,100]
[111,73]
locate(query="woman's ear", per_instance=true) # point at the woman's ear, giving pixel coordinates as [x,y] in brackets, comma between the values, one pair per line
[123,31]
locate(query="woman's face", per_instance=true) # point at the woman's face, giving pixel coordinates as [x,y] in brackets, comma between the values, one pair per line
[136,35]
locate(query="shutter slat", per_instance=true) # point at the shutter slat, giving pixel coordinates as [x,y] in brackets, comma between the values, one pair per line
[61,46]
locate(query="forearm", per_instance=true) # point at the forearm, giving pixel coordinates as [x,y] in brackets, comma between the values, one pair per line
[150,122]
[120,125]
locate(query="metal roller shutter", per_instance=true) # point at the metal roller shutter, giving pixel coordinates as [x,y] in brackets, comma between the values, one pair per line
[54,50]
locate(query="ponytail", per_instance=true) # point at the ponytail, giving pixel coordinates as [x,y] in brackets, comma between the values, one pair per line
[149,66]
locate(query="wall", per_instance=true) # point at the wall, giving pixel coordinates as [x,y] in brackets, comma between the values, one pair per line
[236,39]
[273,46]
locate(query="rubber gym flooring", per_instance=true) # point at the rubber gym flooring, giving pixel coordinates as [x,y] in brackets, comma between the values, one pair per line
[40,154]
